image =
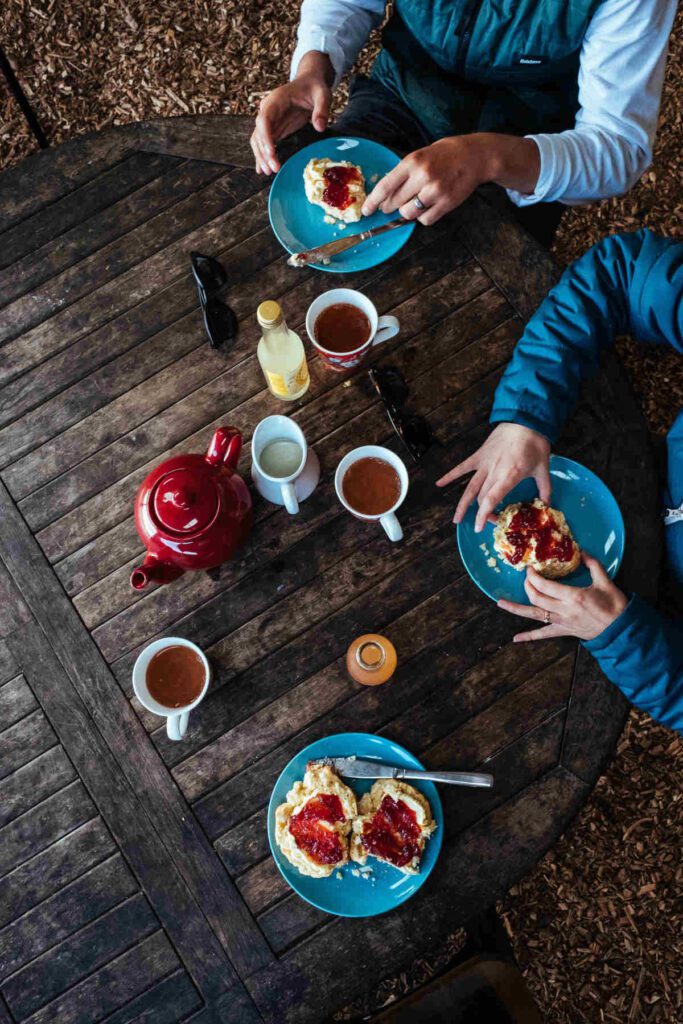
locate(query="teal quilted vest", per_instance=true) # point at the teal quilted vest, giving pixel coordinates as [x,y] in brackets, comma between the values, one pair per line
[486,65]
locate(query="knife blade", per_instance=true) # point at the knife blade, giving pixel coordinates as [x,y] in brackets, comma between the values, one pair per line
[357,768]
[324,253]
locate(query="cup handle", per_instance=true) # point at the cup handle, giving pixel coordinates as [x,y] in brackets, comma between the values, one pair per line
[387,327]
[176,725]
[392,526]
[290,499]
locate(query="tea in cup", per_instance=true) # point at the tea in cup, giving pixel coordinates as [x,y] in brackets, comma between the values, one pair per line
[371,482]
[284,469]
[170,678]
[343,326]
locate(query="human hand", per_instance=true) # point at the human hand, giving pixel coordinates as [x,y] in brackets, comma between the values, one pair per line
[290,106]
[583,612]
[444,174]
[510,453]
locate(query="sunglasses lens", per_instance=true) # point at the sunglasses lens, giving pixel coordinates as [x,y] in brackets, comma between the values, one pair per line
[416,434]
[221,323]
[208,271]
[390,385]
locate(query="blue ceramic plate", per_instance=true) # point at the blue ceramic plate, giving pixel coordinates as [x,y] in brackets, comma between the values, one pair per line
[592,513]
[385,887]
[299,225]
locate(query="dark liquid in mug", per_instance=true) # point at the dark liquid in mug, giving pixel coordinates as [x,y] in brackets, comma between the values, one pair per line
[371,486]
[175,676]
[342,327]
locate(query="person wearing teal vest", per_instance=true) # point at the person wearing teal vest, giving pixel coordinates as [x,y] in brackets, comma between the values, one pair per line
[631,283]
[555,101]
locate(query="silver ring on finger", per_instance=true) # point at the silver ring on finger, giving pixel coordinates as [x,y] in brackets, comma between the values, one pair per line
[418,203]
[546,617]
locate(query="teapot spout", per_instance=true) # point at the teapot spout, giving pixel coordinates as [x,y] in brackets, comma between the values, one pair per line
[154,571]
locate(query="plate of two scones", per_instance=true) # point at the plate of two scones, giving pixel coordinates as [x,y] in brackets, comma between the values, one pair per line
[353,847]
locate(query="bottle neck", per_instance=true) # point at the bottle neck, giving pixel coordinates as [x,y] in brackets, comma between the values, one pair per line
[276,334]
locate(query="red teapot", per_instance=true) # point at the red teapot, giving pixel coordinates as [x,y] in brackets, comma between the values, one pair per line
[192,512]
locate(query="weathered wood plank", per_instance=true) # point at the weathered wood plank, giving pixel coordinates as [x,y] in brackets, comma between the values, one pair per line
[81,954]
[45,823]
[23,246]
[183,878]
[47,176]
[64,913]
[167,1002]
[16,701]
[263,886]
[26,787]
[115,983]
[8,664]
[209,136]
[27,739]
[53,869]
[141,280]
[13,610]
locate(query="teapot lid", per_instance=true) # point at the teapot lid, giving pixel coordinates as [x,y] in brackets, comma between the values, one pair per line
[185,501]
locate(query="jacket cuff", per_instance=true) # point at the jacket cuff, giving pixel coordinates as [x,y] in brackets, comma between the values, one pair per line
[631,613]
[524,419]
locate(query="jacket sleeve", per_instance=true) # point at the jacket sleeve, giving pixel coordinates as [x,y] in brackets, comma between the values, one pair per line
[642,653]
[630,283]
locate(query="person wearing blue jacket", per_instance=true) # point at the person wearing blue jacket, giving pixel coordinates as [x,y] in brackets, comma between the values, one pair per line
[630,283]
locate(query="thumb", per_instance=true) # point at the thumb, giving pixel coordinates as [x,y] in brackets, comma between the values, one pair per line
[542,479]
[595,568]
[321,108]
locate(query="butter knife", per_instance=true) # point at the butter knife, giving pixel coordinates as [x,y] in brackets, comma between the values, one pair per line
[324,253]
[355,768]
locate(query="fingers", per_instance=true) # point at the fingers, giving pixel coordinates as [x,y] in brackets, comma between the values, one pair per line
[596,569]
[544,633]
[460,470]
[404,200]
[260,162]
[469,495]
[385,188]
[321,108]
[542,479]
[488,500]
[434,213]
[549,588]
[525,611]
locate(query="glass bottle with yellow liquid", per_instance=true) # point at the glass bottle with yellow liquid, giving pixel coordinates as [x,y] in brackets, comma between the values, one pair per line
[281,354]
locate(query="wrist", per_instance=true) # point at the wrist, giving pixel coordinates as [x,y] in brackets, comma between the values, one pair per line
[509,161]
[316,65]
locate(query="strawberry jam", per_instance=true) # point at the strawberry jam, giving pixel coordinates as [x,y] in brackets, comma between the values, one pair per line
[393,833]
[337,192]
[531,522]
[310,831]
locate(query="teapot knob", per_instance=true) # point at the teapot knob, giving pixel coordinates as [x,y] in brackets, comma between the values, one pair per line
[183,498]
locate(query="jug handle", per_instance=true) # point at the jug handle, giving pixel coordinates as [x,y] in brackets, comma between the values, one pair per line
[225,447]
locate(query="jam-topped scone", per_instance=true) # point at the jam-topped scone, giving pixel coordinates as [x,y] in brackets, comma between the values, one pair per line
[533,534]
[394,825]
[312,828]
[336,185]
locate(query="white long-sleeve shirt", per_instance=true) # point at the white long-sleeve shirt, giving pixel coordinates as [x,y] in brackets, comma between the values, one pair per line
[621,72]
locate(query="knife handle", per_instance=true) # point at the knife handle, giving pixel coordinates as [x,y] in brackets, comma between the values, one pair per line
[478,779]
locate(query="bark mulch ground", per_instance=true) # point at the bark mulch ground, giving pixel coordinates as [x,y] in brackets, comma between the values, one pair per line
[597,926]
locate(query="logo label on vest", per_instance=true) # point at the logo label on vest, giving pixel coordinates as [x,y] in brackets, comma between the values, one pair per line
[531,58]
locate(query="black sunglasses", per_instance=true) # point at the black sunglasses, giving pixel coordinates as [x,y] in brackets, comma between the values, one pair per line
[219,319]
[414,431]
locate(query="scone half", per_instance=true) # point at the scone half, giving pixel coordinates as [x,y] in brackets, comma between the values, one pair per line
[337,186]
[393,826]
[312,827]
[532,534]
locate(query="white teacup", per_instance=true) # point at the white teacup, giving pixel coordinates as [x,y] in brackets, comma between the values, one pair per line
[381,327]
[388,519]
[284,469]
[176,718]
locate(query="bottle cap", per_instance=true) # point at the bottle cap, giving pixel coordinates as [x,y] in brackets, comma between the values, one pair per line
[371,655]
[269,313]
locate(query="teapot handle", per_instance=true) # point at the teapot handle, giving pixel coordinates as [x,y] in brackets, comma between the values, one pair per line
[225,447]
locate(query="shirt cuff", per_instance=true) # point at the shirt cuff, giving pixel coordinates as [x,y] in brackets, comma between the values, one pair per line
[631,613]
[545,175]
[316,39]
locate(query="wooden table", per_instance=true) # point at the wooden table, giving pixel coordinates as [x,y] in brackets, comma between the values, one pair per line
[136,877]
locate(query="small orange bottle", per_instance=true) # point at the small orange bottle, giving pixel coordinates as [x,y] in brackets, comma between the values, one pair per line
[371,659]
